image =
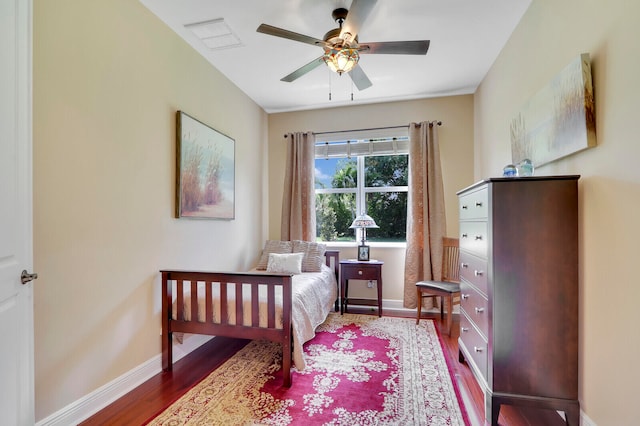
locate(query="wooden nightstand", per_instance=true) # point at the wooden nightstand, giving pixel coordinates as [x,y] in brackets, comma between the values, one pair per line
[360,270]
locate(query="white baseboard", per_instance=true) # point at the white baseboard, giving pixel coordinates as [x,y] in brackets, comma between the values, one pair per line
[585,420]
[90,404]
[395,305]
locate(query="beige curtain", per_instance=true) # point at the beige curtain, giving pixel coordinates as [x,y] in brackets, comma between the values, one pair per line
[426,222]
[298,201]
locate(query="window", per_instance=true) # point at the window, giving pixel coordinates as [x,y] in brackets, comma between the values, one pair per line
[365,175]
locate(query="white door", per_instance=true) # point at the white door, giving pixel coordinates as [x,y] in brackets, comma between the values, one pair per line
[16,246]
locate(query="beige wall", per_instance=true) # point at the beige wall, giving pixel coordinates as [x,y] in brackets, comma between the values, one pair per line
[551,34]
[108,79]
[456,140]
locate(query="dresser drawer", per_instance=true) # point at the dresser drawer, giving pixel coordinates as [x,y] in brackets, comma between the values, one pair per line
[476,306]
[474,205]
[473,237]
[474,270]
[474,343]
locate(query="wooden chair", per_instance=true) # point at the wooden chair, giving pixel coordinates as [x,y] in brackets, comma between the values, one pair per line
[446,289]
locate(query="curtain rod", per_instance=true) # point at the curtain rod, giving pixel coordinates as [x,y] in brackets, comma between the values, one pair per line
[431,123]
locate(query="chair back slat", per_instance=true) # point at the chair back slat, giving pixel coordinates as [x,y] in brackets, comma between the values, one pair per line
[450,260]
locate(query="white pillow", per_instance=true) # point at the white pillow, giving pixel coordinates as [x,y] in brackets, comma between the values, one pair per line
[273,246]
[289,263]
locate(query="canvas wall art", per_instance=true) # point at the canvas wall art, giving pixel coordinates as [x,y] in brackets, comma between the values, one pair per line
[559,120]
[205,187]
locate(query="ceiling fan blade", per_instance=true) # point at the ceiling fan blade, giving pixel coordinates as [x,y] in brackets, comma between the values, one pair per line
[358,13]
[417,47]
[359,78]
[290,35]
[303,70]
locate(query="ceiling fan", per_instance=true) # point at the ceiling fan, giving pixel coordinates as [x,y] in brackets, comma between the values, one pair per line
[341,46]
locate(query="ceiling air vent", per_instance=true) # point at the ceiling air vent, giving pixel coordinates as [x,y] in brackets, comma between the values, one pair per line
[215,34]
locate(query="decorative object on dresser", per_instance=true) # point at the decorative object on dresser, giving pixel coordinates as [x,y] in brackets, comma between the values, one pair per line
[448,287]
[510,171]
[519,292]
[525,168]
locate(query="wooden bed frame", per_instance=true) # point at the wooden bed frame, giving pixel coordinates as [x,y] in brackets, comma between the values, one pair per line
[236,281]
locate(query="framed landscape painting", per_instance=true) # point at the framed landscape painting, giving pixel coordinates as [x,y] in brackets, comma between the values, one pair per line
[559,120]
[205,175]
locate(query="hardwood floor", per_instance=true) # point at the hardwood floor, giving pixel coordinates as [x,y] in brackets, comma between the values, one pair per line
[150,398]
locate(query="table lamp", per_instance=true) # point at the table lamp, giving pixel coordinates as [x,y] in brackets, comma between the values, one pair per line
[363,221]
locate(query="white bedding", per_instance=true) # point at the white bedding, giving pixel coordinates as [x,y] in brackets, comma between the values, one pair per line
[313,297]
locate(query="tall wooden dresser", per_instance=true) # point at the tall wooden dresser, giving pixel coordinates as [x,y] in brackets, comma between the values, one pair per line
[519,292]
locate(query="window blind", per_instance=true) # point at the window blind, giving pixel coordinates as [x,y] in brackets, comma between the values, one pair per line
[387,141]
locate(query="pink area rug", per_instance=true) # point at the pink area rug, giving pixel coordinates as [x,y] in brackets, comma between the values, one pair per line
[361,370]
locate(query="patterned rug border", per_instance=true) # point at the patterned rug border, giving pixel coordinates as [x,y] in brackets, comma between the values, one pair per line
[341,321]
[452,370]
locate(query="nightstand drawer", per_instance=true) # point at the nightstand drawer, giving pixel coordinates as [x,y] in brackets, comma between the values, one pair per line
[474,270]
[473,237]
[474,343]
[476,306]
[474,205]
[360,272]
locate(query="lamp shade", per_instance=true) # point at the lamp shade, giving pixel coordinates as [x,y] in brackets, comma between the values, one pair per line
[341,60]
[363,221]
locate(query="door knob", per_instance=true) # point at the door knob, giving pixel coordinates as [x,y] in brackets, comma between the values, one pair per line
[26,277]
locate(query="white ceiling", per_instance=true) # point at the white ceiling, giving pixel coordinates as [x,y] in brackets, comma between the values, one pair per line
[466,37]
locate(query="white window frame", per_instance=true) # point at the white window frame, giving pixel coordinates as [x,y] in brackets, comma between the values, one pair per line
[378,142]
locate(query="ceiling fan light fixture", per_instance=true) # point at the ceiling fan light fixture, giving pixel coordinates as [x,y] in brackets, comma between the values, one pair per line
[341,59]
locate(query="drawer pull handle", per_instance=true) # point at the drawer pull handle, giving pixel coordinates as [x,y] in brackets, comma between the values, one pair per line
[478,273]
[477,349]
[464,265]
[359,272]
[478,203]
[479,310]
[464,296]
[464,235]
[464,207]
[478,237]
[464,329]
